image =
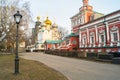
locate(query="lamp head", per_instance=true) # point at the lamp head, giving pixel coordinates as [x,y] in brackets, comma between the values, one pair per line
[17,17]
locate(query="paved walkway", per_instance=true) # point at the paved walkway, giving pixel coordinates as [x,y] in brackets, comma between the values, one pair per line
[76,69]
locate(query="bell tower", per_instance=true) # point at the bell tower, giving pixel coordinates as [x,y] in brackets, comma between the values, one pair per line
[86,6]
[85,15]
[86,10]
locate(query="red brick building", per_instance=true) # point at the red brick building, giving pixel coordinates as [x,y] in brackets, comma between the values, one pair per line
[101,35]
[97,32]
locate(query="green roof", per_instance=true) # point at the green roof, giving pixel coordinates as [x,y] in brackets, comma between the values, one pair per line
[53,41]
[42,30]
[72,35]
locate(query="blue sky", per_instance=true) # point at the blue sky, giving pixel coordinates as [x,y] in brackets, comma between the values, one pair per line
[60,11]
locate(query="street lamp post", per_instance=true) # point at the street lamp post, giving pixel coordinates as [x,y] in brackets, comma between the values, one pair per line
[45,44]
[17,18]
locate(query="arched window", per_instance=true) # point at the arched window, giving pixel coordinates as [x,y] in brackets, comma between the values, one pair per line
[114,34]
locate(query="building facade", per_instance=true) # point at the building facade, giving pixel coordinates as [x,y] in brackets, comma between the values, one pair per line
[97,32]
[46,32]
[70,42]
[101,35]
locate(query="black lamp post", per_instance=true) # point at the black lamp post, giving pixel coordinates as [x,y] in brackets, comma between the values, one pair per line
[17,18]
[45,44]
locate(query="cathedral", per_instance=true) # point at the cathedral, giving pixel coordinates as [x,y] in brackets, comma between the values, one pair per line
[46,33]
[93,31]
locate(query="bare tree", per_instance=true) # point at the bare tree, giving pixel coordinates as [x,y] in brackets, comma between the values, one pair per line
[63,32]
[7,23]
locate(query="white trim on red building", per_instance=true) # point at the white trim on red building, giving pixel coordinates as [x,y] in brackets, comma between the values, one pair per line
[102,34]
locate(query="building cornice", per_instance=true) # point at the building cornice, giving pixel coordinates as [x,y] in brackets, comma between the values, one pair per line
[107,17]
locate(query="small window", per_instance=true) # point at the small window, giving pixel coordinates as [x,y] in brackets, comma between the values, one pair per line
[102,38]
[114,34]
[67,42]
[80,20]
[115,37]
[84,40]
[92,39]
[92,18]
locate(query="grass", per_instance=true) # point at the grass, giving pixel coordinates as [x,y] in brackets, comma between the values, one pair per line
[29,70]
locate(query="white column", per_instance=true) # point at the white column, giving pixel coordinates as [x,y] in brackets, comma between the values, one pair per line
[90,41]
[118,43]
[111,43]
[87,38]
[96,33]
[79,37]
[107,31]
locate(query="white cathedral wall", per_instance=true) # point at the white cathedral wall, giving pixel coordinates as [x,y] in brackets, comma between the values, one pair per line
[47,35]
[40,36]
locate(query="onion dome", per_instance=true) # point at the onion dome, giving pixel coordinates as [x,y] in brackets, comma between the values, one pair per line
[38,18]
[48,22]
[55,25]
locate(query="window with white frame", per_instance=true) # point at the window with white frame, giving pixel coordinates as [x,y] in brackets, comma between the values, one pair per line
[82,19]
[102,38]
[92,38]
[79,20]
[84,40]
[114,34]
[91,17]
[75,22]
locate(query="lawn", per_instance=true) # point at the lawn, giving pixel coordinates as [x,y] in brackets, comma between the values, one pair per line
[29,70]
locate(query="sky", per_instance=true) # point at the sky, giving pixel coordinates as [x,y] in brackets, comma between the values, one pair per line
[60,11]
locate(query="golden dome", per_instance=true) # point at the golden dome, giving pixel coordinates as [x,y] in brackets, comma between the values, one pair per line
[47,21]
[38,18]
